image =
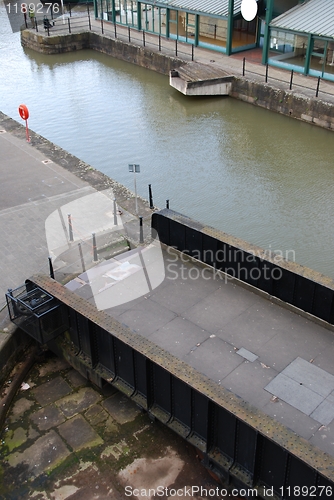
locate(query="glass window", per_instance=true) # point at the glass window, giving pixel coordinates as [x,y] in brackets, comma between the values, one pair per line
[212,31]
[288,49]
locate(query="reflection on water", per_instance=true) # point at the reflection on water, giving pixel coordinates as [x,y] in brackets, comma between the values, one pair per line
[255,174]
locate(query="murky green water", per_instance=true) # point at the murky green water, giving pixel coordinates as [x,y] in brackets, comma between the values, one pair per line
[254,174]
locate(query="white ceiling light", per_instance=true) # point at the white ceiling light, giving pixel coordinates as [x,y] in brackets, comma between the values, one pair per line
[248,9]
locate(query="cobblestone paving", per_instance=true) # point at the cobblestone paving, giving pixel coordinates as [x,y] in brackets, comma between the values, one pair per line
[65,439]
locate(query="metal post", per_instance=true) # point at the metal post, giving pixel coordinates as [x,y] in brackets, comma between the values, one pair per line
[159,43]
[36,25]
[167,203]
[115,213]
[318,85]
[48,30]
[70,228]
[176,47]
[52,274]
[89,23]
[69,25]
[102,26]
[81,258]
[291,79]
[150,196]
[135,168]
[115,30]
[129,34]
[192,52]
[266,72]
[144,38]
[243,66]
[95,259]
[134,174]
[141,234]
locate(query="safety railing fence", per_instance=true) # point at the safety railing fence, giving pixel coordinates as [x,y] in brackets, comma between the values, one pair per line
[290,82]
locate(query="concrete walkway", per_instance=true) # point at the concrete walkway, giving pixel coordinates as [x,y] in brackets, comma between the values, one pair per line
[271,357]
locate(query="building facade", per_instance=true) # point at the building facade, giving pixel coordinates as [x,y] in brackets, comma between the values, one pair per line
[302,39]
[292,34]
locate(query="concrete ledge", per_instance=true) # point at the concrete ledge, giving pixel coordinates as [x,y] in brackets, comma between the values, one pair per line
[310,110]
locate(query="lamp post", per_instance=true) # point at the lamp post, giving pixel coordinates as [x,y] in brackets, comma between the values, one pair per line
[135,169]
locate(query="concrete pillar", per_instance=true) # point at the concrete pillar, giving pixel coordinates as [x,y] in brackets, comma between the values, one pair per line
[139,16]
[266,40]
[308,54]
[229,27]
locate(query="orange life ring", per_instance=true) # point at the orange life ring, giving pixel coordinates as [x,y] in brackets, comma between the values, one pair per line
[24,113]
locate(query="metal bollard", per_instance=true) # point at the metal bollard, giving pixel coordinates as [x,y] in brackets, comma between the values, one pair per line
[159,43]
[52,274]
[150,196]
[167,204]
[318,85]
[267,73]
[243,66]
[95,259]
[291,78]
[192,52]
[143,38]
[176,48]
[141,234]
[81,258]
[115,213]
[129,34]
[69,25]
[102,26]
[70,228]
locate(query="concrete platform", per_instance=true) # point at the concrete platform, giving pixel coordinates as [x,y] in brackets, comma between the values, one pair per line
[196,78]
[275,359]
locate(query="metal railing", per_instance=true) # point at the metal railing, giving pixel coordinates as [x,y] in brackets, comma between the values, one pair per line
[290,83]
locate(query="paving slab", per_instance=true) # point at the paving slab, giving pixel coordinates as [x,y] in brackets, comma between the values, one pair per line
[324,413]
[250,378]
[78,401]
[79,434]
[179,336]
[313,377]
[20,407]
[44,454]
[47,417]
[294,393]
[96,415]
[250,356]
[51,391]
[214,359]
[121,408]
[219,308]
[15,438]
[146,317]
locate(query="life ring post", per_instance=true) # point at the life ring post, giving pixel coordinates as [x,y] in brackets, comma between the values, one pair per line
[24,114]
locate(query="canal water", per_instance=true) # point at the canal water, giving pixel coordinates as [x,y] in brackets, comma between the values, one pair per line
[254,174]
